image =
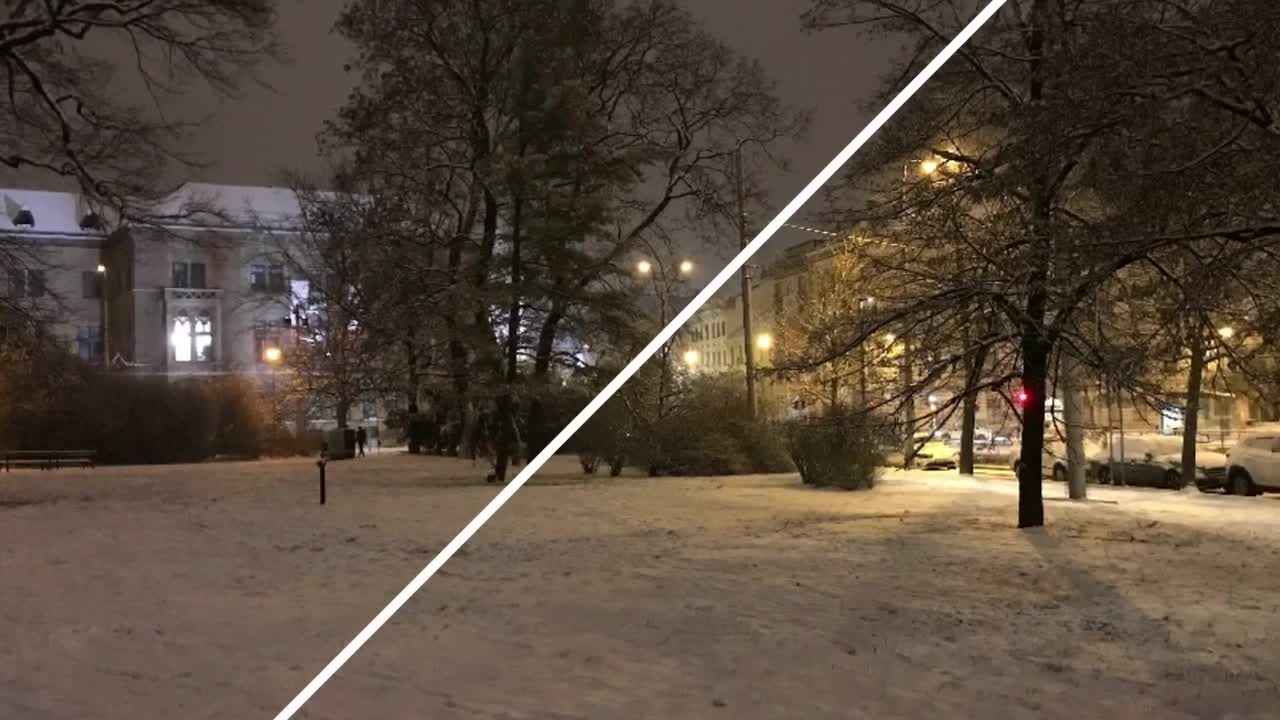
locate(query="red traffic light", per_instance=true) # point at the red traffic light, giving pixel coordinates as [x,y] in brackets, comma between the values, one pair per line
[1022,397]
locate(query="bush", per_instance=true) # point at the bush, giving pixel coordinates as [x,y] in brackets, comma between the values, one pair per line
[137,420]
[709,432]
[843,449]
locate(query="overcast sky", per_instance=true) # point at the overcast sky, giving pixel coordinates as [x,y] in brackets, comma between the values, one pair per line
[251,140]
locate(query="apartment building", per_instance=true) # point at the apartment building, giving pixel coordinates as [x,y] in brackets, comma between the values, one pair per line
[201,294]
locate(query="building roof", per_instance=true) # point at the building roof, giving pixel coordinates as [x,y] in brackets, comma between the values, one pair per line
[237,205]
[57,213]
[192,205]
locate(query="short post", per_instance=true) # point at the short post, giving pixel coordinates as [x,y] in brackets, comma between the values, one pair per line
[324,460]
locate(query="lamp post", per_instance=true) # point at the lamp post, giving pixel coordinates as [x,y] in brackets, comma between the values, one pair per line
[105,324]
[273,356]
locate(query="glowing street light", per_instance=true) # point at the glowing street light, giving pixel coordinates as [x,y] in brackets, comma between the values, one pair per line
[929,167]
[102,269]
[644,267]
[889,338]
[764,341]
[273,355]
[1226,333]
[686,267]
[691,358]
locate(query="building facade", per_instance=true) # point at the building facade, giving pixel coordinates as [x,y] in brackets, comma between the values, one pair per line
[205,291]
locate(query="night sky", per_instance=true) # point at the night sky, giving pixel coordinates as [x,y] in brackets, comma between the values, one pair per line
[251,140]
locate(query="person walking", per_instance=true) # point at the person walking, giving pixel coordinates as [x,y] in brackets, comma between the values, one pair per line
[362,437]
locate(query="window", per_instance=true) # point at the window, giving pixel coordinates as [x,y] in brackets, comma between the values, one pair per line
[264,337]
[257,277]
[91,284]
[181,338]
[181,276]
[188,275]
[27,283]
[88,343]
[204,337]
[275,278]
[192,338]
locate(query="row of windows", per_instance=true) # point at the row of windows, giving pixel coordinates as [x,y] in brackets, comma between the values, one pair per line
[189,275]
[705,332]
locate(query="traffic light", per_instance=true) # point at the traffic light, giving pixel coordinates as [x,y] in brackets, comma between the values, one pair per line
[1022,397]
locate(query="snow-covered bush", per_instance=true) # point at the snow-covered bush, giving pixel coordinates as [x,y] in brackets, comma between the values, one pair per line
[844,449]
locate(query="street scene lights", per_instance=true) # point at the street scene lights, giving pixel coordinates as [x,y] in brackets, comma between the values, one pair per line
[102,269]
[686,267]
[928,167]
[691,358]
[764,341]
[644,267]
[1226,333]
[273,355]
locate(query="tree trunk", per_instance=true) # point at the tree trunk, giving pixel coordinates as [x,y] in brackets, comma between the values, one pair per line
[969,410]
[506,402]
[1191,416]
[1035,363]
[536,432]
[1073,415]
[909,409]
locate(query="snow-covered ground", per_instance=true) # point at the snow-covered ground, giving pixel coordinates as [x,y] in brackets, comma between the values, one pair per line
[218,591]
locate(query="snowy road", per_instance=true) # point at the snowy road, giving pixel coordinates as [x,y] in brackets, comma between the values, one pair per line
[218,591]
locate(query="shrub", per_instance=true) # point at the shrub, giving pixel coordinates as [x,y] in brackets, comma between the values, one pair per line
[603,438]
[128,419]
[709,432]
[842,449]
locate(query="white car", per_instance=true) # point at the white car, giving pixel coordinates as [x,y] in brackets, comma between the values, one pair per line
[1253,465]
[1053,461]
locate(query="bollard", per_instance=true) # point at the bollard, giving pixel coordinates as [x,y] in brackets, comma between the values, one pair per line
[320,464]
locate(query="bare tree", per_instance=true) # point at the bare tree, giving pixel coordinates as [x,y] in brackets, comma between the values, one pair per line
[67,61]
[1054,155]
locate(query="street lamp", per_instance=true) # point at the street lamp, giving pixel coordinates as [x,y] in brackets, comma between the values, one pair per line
[928,167]
[1226,333]
[691,358]
[106,320]
[764,341]
[644,267]
[686,267]
[273,355]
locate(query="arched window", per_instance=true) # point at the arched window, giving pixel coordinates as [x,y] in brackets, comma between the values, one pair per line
[181,337]
[204,337]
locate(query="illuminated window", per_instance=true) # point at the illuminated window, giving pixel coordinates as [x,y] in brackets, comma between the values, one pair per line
[181,337]
[204,337]
[192,341]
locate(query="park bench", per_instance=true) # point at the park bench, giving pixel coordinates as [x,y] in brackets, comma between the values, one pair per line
[47,459]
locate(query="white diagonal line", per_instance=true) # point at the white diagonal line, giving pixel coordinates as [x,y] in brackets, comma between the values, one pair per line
[632,367]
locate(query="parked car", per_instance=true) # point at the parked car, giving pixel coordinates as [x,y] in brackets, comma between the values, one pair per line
[1053,461]
[1253,465]
[937,455]
[1156,461]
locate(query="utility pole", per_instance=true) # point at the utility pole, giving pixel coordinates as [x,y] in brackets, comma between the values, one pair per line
[748,347]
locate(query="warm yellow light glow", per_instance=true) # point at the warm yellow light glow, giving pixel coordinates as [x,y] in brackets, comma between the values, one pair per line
[929,167]
[1226,333]
[102,268]
[272,355]
[889,338]
[643,267]
[691,358]
[686,267]
[764,341]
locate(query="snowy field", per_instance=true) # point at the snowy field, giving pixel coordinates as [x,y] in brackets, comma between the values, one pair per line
[218,591]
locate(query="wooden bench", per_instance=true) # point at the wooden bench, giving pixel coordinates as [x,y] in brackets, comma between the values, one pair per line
[48,459]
